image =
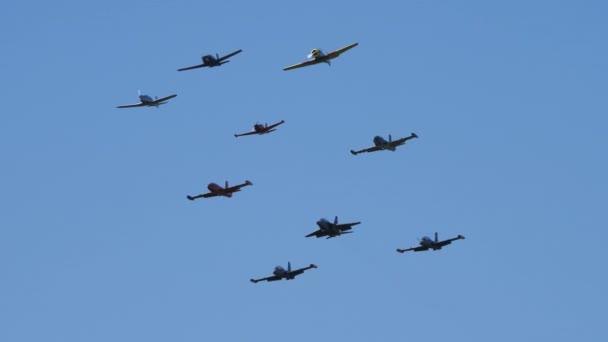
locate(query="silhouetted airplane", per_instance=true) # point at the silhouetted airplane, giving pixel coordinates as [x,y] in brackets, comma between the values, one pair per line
[281,273]
[210,61]
[217,190]
[261,129]
[319,57]
[147,101]
[330,230]
[381,144]
[427,243]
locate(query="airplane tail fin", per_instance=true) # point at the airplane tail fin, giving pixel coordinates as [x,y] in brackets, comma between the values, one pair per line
[436,237]
[289,266]
[226,185]
[390,138]
[336,220]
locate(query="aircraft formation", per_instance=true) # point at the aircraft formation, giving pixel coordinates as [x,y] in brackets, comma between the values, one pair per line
[326,228]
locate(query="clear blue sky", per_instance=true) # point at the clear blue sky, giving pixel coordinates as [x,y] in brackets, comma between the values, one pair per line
[97,239]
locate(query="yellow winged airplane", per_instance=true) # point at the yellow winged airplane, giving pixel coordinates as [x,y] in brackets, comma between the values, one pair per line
[319,57]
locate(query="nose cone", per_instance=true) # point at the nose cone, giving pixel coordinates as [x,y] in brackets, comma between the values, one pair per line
[378,140]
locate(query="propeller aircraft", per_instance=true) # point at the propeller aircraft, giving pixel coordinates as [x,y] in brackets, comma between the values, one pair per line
[261,129]
[211,61]
[319,57]
[148,101]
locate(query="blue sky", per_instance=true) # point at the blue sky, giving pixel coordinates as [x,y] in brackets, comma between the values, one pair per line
[97,239]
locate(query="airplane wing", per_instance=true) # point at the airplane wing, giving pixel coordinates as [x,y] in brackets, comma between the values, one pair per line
[403,140]
[303,64]
[207,195]
[276,124]
[301,270]
[271,278]
[238,187]
[415,249]
[371,149]
[337,53]
[318,233]
[229,55]
[248,133]
[141,104]
[449,241]
[346,226]
[165,98]
[193,67]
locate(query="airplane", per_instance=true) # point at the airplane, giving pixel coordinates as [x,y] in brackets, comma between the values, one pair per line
[210,61]
[261,129]
[147,101]
[330,230]
[319,57]
[381,144]
[427,243]
[217,190]
[281,273]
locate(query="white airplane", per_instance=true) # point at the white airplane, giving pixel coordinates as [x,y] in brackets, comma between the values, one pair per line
[148,101]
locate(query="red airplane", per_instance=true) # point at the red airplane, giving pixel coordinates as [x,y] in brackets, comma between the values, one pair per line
[217,190]
[261,129]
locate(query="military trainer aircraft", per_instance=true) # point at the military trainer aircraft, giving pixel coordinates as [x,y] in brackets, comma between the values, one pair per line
[147,101]
[281,273]
[319,57]
[210,61]
[381,144]
[261,129]
[427,243]
[330,230]
[217,190]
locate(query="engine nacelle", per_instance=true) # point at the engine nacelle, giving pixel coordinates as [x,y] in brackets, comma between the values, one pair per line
[315,53]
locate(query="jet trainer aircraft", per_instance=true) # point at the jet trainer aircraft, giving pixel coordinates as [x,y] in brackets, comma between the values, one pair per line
[427,243]
[330,230]
[281,273]
[147,101]
[210,61]
[319,57]
[217,190]
[261,129]
[381,144]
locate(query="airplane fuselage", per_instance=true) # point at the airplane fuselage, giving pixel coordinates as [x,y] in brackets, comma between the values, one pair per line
[383,144]
[318,55]
[428,242]
[212,61]
[279,271]
[218,190]
[328,227]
